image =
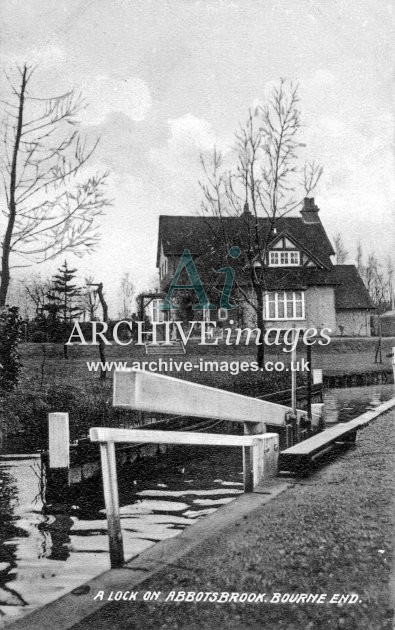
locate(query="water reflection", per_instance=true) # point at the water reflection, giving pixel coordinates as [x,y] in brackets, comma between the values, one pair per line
[43,555]
[345,404]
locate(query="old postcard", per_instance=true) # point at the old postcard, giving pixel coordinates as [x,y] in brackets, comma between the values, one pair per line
[197,319]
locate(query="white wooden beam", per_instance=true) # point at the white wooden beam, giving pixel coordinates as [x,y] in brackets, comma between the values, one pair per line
[143,436]
[147,391]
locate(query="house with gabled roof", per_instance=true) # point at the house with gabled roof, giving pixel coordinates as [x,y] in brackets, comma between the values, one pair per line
[301,285]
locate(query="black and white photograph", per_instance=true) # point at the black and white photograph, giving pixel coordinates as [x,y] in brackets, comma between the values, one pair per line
[197,315]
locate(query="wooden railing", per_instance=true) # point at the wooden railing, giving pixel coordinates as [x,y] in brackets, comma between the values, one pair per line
[260,456]
[147,391]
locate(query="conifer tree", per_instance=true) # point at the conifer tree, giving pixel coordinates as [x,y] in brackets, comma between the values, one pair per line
[64,295]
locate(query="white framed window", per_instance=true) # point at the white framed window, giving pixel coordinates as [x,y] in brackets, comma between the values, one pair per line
[284,305]
[157,314]
[284,258]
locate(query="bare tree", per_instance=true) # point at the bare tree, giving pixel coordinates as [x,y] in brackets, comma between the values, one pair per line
[104,305]
[377,283]
[50,207]
[340,250]
[264,180]
[390,274]
[359,259]
[89,300]
[126,296]
[37,291]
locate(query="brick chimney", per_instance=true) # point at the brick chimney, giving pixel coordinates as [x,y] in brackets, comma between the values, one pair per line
[310,211]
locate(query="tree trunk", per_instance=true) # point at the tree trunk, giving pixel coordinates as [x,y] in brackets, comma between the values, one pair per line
[65,319]
[5,258]
[104,306]
[260,355]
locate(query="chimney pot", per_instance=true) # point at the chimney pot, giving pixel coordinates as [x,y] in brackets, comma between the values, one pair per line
[309,211]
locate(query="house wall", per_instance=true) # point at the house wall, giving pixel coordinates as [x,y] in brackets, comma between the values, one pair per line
[319,312]
[353,322]
[320,308]
[172,264]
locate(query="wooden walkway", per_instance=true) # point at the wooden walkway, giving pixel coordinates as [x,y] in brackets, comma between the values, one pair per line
[300,458]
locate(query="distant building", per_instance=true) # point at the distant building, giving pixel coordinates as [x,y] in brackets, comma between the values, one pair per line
[387,322]
[302,286]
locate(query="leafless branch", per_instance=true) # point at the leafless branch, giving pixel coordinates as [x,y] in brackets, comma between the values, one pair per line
[51,205]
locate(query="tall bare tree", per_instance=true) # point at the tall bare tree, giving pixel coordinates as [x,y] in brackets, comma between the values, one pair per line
[340,250]
[89,300]
[37,290]
[104,305]
[263,180]
[50,207]
[390,275]
[359,259]
[126,295]
[378,282]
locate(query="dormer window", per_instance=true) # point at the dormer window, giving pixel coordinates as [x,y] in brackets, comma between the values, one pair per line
[281,258]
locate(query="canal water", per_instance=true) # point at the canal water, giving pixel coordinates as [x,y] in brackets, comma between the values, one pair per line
[43,556]
[345,404]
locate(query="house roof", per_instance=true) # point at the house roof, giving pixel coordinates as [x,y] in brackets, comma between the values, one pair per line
[214,235]
[350,291]
[202,236]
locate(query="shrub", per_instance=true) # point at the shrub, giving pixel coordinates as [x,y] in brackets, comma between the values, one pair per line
[10,336]
[38,337]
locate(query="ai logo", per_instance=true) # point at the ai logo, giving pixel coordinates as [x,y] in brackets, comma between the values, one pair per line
[187,263]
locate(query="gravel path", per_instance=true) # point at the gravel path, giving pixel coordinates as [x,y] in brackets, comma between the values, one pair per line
[330,533]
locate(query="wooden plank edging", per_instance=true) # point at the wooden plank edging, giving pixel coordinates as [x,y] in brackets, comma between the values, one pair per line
[308,446]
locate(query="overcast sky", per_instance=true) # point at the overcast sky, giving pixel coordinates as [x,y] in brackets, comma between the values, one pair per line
[166,80]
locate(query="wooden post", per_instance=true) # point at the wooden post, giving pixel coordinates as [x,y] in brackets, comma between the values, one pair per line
[293,377]
[254,428]
[317,377]
[58,440]
[309,381]
[247,469]
[393,362]
[58,470]
[318,413]
[265,457]
[110,488]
